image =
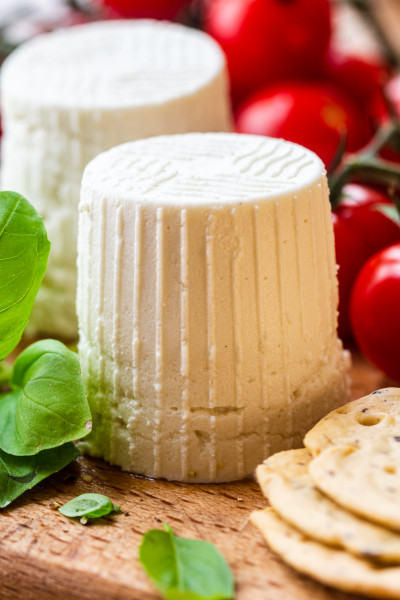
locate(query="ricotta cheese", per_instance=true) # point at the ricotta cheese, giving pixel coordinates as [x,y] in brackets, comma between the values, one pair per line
[207,303]
[69,95]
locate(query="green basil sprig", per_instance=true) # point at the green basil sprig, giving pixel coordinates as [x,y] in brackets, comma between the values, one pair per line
[24,249]
[21,473]
[48,407]
[184,569]
[91,506]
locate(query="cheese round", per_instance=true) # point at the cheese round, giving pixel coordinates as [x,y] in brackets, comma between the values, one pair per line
[71,94]
[207,303]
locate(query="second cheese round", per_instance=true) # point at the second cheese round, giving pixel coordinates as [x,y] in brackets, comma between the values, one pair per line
[207,303]
[71,94]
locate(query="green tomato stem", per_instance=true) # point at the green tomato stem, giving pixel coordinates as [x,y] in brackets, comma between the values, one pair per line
[383,137]
[365,169]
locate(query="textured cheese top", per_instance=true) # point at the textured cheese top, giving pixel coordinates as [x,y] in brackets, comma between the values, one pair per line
[112,64]
[203,169]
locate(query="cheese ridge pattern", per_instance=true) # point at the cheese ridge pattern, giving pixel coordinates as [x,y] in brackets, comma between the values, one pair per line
[208,310]
[205,168]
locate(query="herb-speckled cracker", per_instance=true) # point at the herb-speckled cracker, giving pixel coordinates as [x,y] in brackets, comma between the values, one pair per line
[364,480]
[285,481]
[358,422]
[329,566]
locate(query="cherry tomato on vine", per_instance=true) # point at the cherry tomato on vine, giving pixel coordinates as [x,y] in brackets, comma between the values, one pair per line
[267,40]
[311,114]
[375,310]
[350,256]
[359,78]
[153,9]
[363,208]
[361,230]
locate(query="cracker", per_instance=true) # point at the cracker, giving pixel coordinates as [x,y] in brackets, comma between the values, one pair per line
[286,482]
[329,566]
[358,422]
[363,480]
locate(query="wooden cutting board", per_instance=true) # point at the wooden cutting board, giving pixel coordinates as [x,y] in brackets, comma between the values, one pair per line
[44,556]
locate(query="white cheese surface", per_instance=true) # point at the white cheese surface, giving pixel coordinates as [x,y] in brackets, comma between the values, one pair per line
[73,93]
[207,303]
[112,64]
[204,170]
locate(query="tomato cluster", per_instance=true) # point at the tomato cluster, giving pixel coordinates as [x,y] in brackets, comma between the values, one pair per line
[364,223]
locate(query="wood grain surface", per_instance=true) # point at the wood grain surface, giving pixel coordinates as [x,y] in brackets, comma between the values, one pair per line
[44,556]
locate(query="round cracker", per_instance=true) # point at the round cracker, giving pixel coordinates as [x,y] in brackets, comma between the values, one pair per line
[329,566]
[363,480]
[360,421]
[286,482]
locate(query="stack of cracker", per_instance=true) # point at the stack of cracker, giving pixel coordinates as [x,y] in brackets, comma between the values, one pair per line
[335,504]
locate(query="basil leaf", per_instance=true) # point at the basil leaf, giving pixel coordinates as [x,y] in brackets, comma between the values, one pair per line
[49,406]
[8,407]
[91,506]
[21,473]
[24,249]
[184,569]
[5,374]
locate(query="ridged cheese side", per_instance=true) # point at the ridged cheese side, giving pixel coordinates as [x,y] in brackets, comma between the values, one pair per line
[207,303]
[69,95]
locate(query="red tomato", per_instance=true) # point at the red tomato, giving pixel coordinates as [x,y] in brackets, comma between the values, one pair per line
[358,217]
[360,78]
[360,208]
[350,256]
[153,9]
[375,310]
[311,114]
[393,92]
[266,40]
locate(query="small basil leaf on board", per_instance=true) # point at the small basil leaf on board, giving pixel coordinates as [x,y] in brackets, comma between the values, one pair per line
[24,249]
[21,473]
[184,569]
[48,406]
[92,506]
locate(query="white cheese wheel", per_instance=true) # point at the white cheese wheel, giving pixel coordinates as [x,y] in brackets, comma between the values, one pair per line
[69,95]
[207,303]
